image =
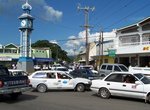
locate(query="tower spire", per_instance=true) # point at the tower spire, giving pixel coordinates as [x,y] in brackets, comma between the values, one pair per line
[27,7]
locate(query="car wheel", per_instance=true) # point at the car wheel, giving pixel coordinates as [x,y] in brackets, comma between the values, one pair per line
[80,88]
[148,98]
[42,88]
[104,93]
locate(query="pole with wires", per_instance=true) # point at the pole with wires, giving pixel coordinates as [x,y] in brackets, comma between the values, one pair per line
[86,26]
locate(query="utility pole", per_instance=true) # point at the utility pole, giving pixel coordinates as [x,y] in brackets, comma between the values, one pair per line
[99,41]
[86,26]
[100,47]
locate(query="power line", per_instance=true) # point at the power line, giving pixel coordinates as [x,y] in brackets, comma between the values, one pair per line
[105,6]
[118,10]
[73,39]
[134,12]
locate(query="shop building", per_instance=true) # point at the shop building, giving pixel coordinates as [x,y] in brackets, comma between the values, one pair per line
[133,44]
[10,53]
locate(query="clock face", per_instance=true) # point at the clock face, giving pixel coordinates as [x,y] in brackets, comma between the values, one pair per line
[23,23]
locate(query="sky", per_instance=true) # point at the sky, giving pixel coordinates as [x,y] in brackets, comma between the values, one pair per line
[59,20]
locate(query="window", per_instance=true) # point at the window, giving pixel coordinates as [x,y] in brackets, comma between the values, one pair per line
[65,76]
[123,68]
[51,75]
[84,74]
[109,67]
[116,68]
[14,51]
[62,76]
[115,78]
[144,79]
[40,75]
[103,67]
[129,79]
[1,51]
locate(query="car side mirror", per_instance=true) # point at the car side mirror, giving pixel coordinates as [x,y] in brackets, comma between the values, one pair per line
[137,82]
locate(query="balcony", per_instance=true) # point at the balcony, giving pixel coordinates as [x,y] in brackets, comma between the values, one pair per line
[133,48]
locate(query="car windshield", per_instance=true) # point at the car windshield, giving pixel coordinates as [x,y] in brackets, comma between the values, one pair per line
[143,78]
[123,68]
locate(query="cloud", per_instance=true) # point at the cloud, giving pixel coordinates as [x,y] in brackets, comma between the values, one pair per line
[51,14]
[53,41]
[45,11]
[78,42]
[41,9]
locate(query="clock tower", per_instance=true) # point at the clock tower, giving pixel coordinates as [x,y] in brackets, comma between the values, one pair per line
[25,61]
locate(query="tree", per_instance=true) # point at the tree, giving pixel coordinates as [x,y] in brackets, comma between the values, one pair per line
[56,50]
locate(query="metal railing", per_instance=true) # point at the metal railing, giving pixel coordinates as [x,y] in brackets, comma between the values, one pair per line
[134,43]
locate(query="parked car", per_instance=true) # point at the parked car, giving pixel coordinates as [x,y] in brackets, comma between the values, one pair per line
[54,66]
[125,84]
[12,85]
[107,68]
[37,67]
[62,68]
[16,72]
[143,70]
[89,67]
[84,73]
[51,79]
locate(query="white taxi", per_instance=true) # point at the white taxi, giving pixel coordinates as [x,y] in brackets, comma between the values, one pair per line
[54,80]
[125,84]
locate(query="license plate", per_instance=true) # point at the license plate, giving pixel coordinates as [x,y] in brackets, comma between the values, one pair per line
[16,90]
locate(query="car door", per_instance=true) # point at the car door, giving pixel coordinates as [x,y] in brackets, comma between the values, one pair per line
[64,81]
[51,80]
[132,89]
[114,83]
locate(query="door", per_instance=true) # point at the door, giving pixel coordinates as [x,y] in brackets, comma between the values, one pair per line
[64,81]
[132,89]
[51,80]
[124,85]
[114,83]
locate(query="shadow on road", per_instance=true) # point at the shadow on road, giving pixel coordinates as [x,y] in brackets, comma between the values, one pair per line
[23,97]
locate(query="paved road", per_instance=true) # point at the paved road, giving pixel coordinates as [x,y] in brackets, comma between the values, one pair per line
[68,100]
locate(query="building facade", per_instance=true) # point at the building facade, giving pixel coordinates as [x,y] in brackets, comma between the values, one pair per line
[133,44]
[10,53]
[99,50]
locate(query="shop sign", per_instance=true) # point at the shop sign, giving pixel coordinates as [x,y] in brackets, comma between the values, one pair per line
[146,48]
[112,53]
